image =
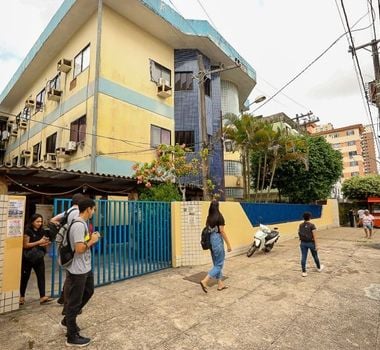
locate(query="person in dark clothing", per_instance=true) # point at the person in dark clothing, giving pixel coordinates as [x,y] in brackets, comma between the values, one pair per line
[306,233]
[34,249]
[351,216]
[215,220]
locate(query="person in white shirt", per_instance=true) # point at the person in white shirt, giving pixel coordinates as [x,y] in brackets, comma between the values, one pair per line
[368,224]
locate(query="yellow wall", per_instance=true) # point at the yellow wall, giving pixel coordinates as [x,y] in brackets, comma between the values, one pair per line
[186,238]
[86,35]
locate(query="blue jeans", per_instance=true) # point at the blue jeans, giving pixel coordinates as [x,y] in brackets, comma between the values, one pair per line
[305,246]
[217,255]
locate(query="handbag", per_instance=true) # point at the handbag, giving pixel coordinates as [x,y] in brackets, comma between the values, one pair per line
[33,254]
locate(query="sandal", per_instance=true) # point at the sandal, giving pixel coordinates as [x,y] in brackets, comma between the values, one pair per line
[22,301]
[45,300]
[224,287]
[204,288]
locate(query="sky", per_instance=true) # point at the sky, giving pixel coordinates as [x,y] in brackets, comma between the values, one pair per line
[278,39]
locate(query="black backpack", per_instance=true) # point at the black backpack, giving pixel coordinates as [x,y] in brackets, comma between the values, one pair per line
[54,228]
[205,237]
[305,232]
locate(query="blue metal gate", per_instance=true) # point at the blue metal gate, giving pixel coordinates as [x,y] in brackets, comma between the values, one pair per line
[136,239]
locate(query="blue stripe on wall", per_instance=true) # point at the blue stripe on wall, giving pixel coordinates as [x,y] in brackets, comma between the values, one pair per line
[122,93]
[268,213]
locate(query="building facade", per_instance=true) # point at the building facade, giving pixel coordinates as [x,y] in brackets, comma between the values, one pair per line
[369,151]
[107,81]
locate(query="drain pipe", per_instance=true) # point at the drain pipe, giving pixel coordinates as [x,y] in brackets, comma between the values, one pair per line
[96,87]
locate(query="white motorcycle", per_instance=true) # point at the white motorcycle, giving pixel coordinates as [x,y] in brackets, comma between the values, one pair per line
[264,239]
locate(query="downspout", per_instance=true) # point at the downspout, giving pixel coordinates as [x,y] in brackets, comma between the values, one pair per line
[96,87]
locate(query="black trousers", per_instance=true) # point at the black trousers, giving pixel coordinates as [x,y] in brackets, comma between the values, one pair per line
[26,269]
[78,291]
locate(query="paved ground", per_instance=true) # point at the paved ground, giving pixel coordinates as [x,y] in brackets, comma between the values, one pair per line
[268,305]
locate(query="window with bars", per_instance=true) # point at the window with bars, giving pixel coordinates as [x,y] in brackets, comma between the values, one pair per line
[40,99]
[232,192]
[82,61]
[51,143]
[185,137]
[352,153]
[55,83]
[350,143]
[183,81]
[207,86]
[159,136]
[78,130]
[350,132]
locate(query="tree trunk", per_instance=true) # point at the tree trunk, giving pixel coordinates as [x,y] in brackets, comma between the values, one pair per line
[272,177]
[264,173]
[244,176]
[258,179]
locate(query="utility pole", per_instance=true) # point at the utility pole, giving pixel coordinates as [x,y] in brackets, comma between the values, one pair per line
[311,119]
[202,75]
[373,86]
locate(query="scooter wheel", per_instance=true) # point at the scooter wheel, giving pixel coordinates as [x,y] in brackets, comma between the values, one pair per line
[251,250]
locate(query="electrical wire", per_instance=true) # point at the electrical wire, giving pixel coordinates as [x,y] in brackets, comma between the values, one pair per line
[306,68]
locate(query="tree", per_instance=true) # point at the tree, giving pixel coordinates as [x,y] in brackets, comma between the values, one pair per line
[361,187]
[305,185]
[171,165]
[163,192]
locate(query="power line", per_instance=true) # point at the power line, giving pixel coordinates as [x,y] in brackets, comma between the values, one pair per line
[306,68]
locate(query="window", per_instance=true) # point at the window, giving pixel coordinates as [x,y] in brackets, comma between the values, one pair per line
[232,168]
[183,81]
[50,143]
[350,132]
[234,192]
[157,71]
[185,137]
[82,61]
[355,173]
[350,143]
[23,161]
[354,163]
[78,130]
[15,161]
[336,145]
[207,85]
[334,136]
[352,153]
[26,113]
[55,83]
[229,146]
[37,152]
[159,136]
[40,99]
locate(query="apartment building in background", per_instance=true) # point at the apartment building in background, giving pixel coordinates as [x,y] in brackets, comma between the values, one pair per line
[108,81]
[356,145]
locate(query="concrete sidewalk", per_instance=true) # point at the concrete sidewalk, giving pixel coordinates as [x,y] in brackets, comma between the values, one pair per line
[268,305]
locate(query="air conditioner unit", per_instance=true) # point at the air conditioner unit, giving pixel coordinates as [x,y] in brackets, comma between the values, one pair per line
[50,158]
[64,65]
[25,153]
[54,95]
[61,152]
[12,120]
[23,124]
[5,135]
[163,88]
[71,146]
[14,132]
[8,163]
[29,103]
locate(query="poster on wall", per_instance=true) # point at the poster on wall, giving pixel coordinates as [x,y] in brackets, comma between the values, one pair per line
[16,212]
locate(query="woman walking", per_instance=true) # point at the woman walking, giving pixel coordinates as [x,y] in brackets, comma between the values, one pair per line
[367,221]
[34,249]
[215,221]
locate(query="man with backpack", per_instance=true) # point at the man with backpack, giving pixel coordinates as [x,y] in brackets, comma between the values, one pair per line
[79,284]
[68,216]
[306,233]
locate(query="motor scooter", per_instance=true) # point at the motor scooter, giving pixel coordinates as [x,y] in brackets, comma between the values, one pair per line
[264,239]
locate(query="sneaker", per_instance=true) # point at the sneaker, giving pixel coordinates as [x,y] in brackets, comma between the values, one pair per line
[304,274]
[321,268]
[78,340]
[64,325]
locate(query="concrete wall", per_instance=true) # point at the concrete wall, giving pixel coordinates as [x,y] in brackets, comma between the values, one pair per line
[188,220]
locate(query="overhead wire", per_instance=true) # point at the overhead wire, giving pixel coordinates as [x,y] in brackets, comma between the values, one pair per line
[307,67]
[355,56]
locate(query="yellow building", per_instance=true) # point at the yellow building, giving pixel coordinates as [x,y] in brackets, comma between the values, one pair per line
[95,91]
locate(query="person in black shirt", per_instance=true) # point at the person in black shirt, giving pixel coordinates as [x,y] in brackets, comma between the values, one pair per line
[34,249]
[215,220]
[307,236]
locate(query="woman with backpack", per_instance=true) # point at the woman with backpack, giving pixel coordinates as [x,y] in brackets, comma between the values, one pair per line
[218,237]
[34,250]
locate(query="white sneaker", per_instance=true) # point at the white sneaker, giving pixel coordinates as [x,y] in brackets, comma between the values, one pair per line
[304,274]
[321,268]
